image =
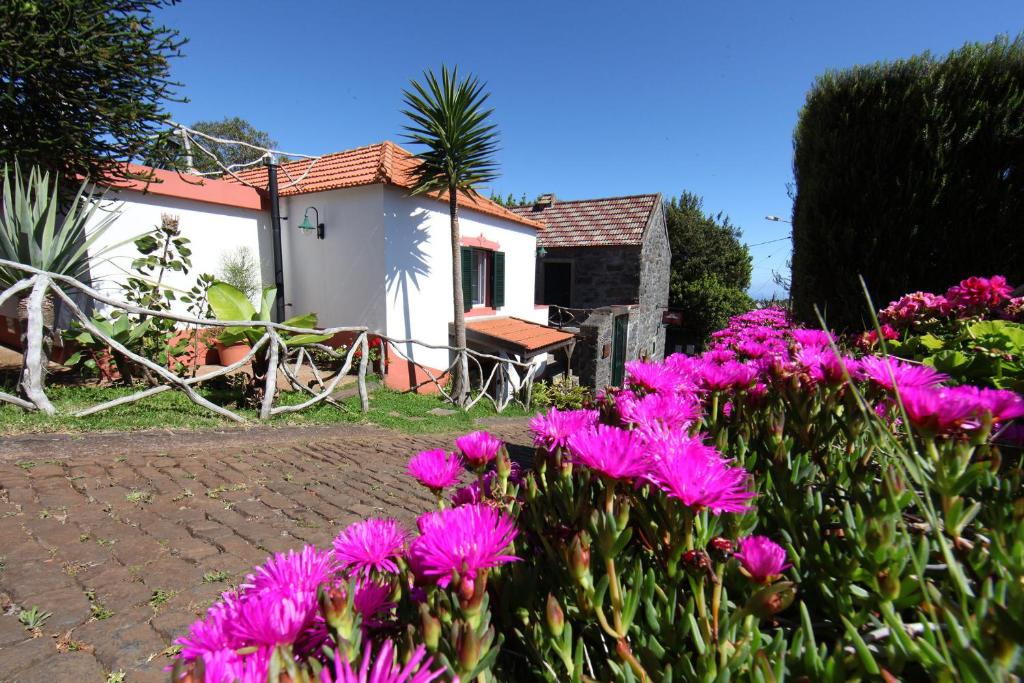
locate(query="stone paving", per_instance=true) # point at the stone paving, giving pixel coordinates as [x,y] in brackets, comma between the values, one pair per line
[127,539]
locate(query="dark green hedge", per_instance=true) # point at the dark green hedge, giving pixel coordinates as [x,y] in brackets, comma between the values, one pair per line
[911,174]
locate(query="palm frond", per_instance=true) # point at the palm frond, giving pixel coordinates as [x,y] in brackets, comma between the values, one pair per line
[451,124]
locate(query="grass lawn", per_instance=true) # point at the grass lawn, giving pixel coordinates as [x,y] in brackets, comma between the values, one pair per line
[173,410]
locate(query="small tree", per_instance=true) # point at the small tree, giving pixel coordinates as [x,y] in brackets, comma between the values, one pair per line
[447,117]
[240,269]
[235,129]
[711,268]
[83,84]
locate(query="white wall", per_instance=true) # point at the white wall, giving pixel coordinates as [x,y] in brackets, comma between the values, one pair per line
[212,228]
[341,277]
[419,268]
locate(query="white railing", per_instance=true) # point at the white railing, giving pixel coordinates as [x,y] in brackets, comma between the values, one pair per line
[503,379]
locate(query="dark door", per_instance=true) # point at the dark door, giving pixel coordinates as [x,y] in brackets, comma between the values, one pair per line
[558,284]
[619,349]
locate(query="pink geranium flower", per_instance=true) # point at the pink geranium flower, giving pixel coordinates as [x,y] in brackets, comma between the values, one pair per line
[383,669]
[372,545]
[479,448]
[890,372]
[761,558]
[552,430]
[436,469]
[461,541]
[614,452]
[976,294]
[695,474]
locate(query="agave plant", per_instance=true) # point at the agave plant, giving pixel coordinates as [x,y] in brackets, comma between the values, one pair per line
[36,232]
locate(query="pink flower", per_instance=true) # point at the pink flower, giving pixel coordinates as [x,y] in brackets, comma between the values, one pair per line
[1002,404]
[806,338]
[730,376]
[436,469]
[275,616]
[914,308]
[370,600]
[654,377]
[611,451]
[552,431]
[461,541]
[762,558]
[674,411]
[976,294]
[479,448]
[890,372]
[938,411]
[694,473]
[370,546]
[304,571]
[383,669]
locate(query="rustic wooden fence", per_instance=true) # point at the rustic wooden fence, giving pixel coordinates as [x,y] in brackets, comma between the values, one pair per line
[498,379]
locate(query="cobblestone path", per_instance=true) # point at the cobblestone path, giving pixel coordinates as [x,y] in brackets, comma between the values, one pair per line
[127,539]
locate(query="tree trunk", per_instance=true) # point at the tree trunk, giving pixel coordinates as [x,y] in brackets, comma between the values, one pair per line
[460,376]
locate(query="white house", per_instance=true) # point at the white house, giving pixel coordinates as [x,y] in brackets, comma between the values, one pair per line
[384,259]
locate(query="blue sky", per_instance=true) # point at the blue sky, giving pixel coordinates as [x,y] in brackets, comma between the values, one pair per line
[592,98]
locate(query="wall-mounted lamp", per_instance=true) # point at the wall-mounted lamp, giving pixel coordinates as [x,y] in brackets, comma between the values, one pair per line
[307,226]
[542,252]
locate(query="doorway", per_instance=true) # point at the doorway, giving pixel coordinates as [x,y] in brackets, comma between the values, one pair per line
[558,283]
[619,339]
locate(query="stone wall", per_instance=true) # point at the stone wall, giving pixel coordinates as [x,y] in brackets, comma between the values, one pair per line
[646,332]
[601,276]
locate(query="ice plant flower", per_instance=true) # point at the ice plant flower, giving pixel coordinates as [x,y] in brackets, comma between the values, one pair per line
[761,558]
[302,571]
[275,616]
[370,600]
[479,448]
[674,411]
[383,668]
[652,377]
[460,542]
[695,474]
[372,545]
[731,375]
[436,469]
[552,430]
[1001,404]
[936,411]
[889,373]
[613,452]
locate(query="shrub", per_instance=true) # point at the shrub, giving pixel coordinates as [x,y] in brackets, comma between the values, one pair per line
[909,174]
[562,394]
[774,508]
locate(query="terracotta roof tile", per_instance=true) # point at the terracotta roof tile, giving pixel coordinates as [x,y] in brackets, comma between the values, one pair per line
[527,335]
[384,162]
[612,221]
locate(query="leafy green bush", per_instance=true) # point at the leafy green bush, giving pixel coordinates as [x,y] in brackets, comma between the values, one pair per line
[562,394]
[908,173]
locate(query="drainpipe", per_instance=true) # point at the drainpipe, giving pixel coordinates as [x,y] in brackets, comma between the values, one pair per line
[275,227]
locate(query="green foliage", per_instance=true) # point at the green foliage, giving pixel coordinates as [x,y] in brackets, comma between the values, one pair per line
[83,84]
[711,268]
[562,394]
[235,129]
[230,303]
[707,304]
[240,268]
[34,618]
[32,234]
[908,173]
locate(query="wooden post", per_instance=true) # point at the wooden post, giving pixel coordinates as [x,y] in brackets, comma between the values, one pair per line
[34,374]
[270,387]
[364,347]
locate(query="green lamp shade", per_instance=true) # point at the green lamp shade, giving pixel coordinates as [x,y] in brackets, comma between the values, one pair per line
[306,225]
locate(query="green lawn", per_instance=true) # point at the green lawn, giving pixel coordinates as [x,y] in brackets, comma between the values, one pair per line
[172,409]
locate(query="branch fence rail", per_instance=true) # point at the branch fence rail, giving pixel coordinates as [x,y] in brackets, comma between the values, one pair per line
[498,379]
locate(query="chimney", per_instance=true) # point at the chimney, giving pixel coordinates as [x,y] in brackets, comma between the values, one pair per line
[544,201]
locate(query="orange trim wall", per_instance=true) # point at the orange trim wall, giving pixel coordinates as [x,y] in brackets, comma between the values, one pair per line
[197,188]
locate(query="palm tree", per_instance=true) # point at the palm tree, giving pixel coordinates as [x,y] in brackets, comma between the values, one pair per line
[448,119]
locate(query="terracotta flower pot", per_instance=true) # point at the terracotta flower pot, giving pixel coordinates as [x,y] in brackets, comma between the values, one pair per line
[229,355]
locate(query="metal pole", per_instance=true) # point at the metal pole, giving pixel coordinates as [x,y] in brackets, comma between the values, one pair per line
[275,227]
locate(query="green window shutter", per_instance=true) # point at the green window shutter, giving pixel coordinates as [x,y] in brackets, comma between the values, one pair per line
[498,281]
[467,278]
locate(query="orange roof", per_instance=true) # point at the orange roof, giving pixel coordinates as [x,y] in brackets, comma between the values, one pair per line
[524,335]
[187,186]
[384,162]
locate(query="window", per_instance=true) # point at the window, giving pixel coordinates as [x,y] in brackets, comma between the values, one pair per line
[483,278]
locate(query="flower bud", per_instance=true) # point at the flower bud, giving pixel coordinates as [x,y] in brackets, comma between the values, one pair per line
[720,548]
[579,558]
[431,628]
[555,617]
[337,611]
[772,599]
[503,463]
[888,585]
[467,645]
[696,562]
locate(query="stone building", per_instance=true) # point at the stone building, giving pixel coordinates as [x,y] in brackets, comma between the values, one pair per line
[604,269]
